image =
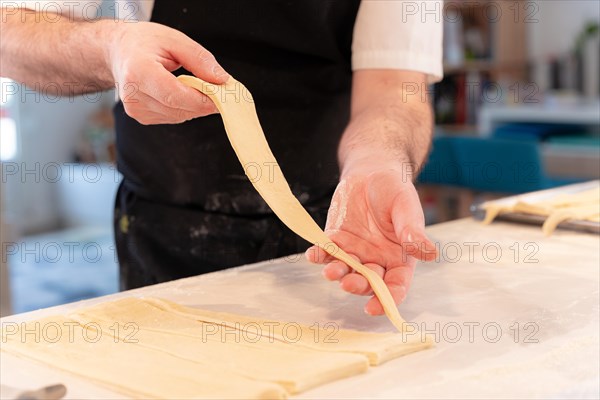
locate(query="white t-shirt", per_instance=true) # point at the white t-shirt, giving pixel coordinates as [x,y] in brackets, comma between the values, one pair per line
[388,34]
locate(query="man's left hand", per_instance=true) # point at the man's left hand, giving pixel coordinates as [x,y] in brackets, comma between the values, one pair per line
[376,216]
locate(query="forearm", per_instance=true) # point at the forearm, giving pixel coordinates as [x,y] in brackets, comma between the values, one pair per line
[391,123]
[72,55]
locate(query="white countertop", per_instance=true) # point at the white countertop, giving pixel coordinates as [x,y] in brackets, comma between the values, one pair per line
[524,324]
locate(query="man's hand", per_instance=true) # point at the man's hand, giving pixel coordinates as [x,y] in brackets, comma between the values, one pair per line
[375,213]
[377,217]
[65,56]
[142,56]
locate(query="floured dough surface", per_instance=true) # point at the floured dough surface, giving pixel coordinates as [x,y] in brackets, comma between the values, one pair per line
[584,205]
[377,347]
[154,348]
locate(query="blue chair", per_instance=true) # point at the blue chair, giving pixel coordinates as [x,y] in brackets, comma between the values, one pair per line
[488,164]
[533,131]
[441,167]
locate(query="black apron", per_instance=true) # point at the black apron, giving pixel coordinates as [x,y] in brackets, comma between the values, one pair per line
[185,206]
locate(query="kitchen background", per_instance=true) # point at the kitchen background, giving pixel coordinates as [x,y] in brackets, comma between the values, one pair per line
[520,93]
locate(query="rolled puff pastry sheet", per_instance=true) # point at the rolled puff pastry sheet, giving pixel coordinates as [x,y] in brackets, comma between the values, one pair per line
[154,348]
[133,370]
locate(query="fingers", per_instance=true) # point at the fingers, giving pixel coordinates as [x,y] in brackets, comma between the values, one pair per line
[357,284]
[317,255]
[142,69]
[374,307]
[398,281]
[167,90]
[162,99]
[147,111]
[369,252]
[335,270]
[198,60]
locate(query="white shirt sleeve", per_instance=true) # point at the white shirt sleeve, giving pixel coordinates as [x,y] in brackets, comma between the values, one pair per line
[388,34]
[399,34]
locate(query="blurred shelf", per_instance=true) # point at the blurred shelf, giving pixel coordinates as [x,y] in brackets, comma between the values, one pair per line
[581,114]
[456,129]
[569,161]
[485,66]
[466,4]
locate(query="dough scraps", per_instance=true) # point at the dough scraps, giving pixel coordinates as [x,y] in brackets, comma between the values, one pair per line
[584,205]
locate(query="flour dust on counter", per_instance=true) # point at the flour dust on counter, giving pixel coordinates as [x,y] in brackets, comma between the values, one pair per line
[154,348]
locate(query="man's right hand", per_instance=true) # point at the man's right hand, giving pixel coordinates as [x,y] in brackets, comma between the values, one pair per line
[142,56]
[61,55]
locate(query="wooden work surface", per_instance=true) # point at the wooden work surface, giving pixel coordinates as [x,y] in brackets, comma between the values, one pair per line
[516,315]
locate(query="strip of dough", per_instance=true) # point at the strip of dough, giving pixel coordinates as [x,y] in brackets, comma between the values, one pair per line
[246,136]
[580,212]
[493,210]
[248,354]
[135,371]
[547,207]
[584,205]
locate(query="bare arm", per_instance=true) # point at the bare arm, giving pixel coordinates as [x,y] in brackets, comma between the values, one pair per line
[375,213]
[391,120]
[85,56]
[35,50]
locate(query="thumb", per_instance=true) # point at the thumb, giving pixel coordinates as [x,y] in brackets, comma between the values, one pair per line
[417,244]
[199,61]
[410,231]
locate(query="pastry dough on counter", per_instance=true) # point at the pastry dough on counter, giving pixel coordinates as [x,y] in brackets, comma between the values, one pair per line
[377,347]
[154,348]
[584,205]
